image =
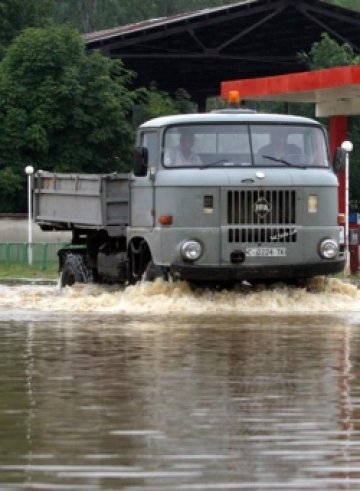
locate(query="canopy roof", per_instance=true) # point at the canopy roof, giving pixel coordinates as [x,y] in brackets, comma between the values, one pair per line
[250,38]
[335,91]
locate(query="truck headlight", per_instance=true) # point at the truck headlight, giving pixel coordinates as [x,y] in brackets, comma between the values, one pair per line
[191,250]
[328,249]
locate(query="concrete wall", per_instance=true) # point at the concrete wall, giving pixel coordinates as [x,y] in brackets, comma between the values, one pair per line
[14,228]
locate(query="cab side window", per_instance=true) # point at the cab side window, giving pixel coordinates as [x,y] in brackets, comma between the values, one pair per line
[149,140]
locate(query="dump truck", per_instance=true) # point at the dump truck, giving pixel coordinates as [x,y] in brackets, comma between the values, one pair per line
[209,199]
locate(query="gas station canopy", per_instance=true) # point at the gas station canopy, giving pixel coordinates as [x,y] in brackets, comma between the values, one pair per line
[335,91]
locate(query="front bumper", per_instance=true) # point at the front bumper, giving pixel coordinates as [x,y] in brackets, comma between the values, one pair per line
[194,272]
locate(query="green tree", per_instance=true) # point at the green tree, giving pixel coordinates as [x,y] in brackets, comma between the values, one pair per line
[89,15]
[349,4]
[328,53]
[153,103]
[15,15]
[60,109]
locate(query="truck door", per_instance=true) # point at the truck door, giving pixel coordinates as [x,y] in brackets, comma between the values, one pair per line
[142,188]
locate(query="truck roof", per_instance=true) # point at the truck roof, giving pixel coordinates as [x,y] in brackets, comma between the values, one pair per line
[226,117]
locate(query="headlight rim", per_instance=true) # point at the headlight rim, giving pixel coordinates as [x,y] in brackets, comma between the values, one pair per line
[185,244]
[322,251]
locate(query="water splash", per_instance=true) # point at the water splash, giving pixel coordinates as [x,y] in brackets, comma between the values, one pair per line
[163,298]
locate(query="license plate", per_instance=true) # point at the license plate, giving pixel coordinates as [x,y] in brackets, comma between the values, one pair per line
[266,251]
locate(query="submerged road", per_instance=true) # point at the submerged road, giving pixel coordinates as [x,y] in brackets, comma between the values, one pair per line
[159,388]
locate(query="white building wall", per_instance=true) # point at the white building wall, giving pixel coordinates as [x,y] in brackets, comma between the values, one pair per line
[14,228]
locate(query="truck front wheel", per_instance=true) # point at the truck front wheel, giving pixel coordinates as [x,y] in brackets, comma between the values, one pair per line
[141,265]
[152,272]
[74,270]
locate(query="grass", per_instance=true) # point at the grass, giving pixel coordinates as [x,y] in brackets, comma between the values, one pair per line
[20,271]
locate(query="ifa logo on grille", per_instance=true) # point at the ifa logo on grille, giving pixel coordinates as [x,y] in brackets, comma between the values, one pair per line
[262,207]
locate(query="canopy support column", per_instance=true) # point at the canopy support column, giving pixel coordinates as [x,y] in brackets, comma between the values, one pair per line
[337,134]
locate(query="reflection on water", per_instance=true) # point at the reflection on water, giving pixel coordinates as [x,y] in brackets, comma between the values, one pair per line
[139,401]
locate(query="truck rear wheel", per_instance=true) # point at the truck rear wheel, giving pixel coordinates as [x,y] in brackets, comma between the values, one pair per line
[74,270]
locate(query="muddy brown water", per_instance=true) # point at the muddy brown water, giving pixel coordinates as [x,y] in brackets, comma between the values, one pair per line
[157,387]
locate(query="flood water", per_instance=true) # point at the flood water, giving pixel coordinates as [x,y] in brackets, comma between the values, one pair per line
[157,387]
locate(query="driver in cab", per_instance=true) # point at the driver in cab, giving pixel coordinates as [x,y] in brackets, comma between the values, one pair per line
[182,154]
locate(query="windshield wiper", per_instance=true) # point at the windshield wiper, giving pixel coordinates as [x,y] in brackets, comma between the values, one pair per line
[283,161]
[217,162]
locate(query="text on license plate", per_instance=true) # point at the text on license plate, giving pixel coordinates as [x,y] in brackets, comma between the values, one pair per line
[266,251]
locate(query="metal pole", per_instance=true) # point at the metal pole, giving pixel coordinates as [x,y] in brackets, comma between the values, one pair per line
[348,147]
[29,171]
[347,245]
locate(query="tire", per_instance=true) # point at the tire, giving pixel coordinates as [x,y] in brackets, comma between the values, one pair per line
[74,270]
[152,272]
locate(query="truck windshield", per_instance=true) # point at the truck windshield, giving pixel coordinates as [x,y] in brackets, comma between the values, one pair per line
[244,145]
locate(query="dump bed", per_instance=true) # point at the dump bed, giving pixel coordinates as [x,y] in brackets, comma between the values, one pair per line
[68,201]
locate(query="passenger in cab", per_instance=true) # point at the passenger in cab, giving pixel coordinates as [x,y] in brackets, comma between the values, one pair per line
[278,150]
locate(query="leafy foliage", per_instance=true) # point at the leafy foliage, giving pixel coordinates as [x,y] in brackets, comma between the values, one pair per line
[328,53]
[153,103]
[17,14]
[349,4]
[60,109]
[88,15]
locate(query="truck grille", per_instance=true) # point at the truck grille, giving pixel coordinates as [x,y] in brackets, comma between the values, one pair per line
[257,235]
[261,207]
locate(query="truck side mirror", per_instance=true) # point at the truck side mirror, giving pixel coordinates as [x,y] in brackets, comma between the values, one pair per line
[341,155]
[141,158]
[339,160]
